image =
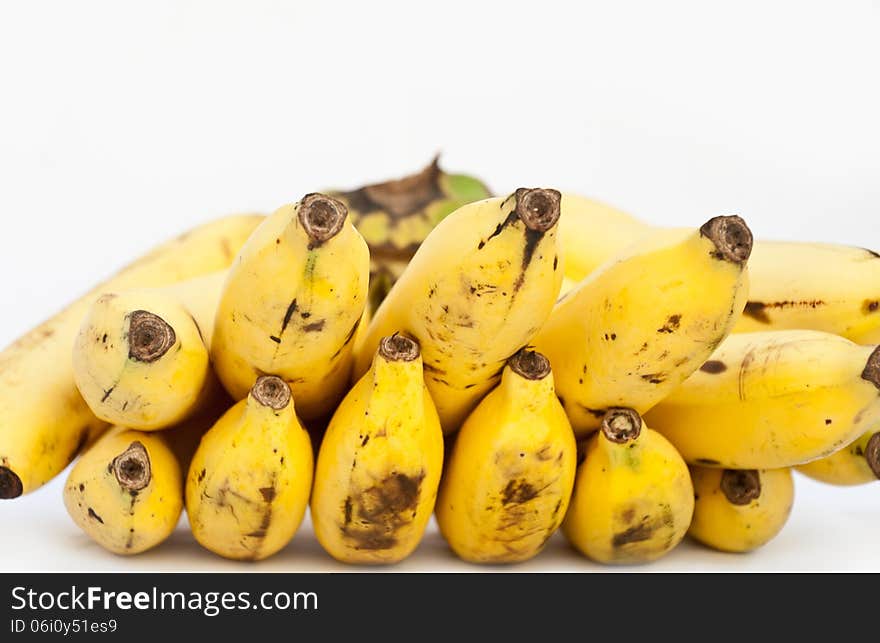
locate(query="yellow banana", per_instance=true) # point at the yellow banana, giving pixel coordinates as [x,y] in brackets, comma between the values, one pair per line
[249,481]
[141,360]
[380,462]
[509,479]
[859,463]
[638,327]
[476,291]
[774,399]
[794,285]
[292,304]
[738,511]
[633,499]
[43,419]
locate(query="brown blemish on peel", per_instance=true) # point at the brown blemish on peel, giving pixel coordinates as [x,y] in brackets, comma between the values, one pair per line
[322,217]
[672,324]
[149,336]
[870,306]
[375,515]
[741,487]
[271,391]
[95,516]
[621,425]
[291,308]
[757,310]
[872,454]
[709,462]
[713,367]
[635,534]
[518,492]
[132,467]
[10,484]
[731,236]
[315,326]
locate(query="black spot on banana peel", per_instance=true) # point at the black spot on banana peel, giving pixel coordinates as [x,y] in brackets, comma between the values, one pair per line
[132,467]
[731,236]
[10,484]
[518,492]
[741,487]
[271,391]
[709,462]
[872,454]
[373,516]
[149,336]
[621,425]
[872,368]
[870,306]
[713,367]
[322,217]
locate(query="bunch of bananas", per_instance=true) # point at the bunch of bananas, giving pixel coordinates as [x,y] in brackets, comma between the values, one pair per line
[510,365]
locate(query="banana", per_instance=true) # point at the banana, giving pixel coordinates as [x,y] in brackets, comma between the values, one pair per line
[249,481]
[43,419]
[738,511]
[292,304]
[510,475]
[633,499]
[794,285]
[638,327]
[141,360]
[773,399]
[394,217]
[476,291]
[859,463]
[380,462]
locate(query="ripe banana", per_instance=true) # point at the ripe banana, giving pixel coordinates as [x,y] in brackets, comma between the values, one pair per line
[774,399]
[476,291]
[509,479]
[43,419]
[141,360]
[638,327]
[794,285]
[633,498]
[394,217]
[380,462]
[292,304]
[249,481]
[738,511]
[859,463]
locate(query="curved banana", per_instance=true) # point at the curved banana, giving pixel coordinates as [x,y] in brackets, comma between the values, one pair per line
[638,327]
[774,399]
[380,462]
[476,291]
[249,481]
[141,360]
[859,463]
[633,498]
[43,419]
[509,479]
[738,511]
[394,217]
[292,304]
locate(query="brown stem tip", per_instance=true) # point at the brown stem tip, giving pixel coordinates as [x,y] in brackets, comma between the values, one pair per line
[529,364]
[538,208]
[271,391]
[741,486]
[872,368]
[731,236]
[399,348]
[321,216]
[402,197]
[132,467]
[872,453]
[10,484]
[621,425]
[149,336]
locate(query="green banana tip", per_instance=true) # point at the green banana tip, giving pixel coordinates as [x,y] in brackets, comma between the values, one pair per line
[10,484]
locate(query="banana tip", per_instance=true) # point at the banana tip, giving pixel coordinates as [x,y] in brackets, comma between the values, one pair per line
[399,348]
[872,454]
[149,336]
[132,467]
[271,391]
[732,238]
[621,425]
[741,486]
[872,368]
[531,365]
[538,208]
[321,216]
[10,484]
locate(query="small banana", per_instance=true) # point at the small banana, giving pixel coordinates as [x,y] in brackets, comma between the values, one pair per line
[738,511]
[476,291]
[141,360]
[638,327]
[509,479]
[44,422]
[394,217]
[292,304]
[773,399]
[633,498]
[380,462]
[249,481]
[859,463]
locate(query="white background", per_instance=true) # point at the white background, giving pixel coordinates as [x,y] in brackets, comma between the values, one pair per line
[122,124]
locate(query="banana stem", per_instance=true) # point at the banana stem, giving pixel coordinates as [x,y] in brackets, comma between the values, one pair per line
[322,217]
[538,208]
[271,391]
[132,467]
[621,425]
[399,348]
[872,454]
[731,236]
[741,487]
[149,336]
[531,365]
[10,484]
[872,368]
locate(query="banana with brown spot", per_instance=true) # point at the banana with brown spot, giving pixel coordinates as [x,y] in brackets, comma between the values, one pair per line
[477,290]
[249,481]
[740,510]
[44,422]
[292,305]
[634,330]
[772,400]
[509,479]
[380,462]
[859,463]
[141,357]
[633,498]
